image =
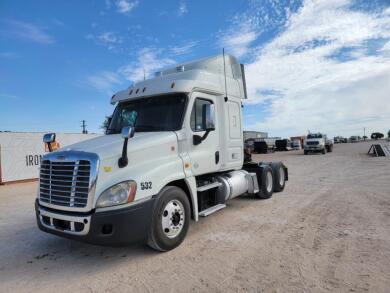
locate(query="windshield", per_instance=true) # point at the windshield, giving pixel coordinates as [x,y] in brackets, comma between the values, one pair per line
[314,135]
[160,113]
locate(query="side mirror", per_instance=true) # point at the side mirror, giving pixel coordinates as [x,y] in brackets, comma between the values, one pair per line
[208,111]
[127,132]
[48,138]
[208,122]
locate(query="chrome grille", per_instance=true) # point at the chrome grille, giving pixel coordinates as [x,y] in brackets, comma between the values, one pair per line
[65,183]
[312,142]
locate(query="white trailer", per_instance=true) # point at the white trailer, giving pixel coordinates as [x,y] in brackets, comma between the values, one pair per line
[173,151]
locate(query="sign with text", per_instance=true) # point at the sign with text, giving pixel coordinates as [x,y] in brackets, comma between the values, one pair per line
[21,153]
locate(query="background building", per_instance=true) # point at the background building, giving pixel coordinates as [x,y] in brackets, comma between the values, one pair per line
[254,134]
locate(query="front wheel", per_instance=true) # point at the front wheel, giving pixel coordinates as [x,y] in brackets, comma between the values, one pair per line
[171,217]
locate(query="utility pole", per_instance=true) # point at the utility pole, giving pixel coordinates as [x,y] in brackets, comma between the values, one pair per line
[83,125]
[364,135]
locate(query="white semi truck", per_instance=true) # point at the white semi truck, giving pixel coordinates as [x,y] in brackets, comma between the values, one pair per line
[173,151]
[317,142]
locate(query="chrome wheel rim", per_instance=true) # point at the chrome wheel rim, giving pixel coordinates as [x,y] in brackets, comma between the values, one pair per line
[269,181]
[281,176]
[172,218]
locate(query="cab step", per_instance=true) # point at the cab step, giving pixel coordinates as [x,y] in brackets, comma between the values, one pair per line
[212,209]
[208,186]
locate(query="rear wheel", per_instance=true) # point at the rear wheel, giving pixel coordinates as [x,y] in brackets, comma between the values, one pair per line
[171,217]
[324,151]
[279,176]
[266,183]
[305,152]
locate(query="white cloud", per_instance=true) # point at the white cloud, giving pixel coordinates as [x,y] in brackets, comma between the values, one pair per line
[248,26]
[125,6]
[317,89]
[109,39]
[104,81]
[148,61]
[182,9]
[184,49]
[386,47]
[8,96]
[26,31]
[238,42]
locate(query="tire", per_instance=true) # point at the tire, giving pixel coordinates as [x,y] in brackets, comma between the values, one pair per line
[330,148]
[324,151]
[168,233]
[305,152]
[266,183]
[279,176]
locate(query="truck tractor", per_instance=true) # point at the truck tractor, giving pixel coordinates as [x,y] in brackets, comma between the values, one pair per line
[173,151]
[317,142]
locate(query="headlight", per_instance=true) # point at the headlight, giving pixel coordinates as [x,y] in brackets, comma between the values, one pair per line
[117,194]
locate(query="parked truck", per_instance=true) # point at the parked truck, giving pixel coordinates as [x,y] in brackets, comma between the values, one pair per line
[317,142]
[173,151]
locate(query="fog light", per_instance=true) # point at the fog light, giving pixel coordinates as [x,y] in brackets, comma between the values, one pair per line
[107,229]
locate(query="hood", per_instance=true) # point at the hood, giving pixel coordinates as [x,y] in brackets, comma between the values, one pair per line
[106,146]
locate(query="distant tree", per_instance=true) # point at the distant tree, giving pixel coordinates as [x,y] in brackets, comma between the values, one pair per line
[365,137]
[105,123]
[376,135]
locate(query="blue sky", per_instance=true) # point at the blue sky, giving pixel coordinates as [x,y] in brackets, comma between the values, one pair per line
[319,64]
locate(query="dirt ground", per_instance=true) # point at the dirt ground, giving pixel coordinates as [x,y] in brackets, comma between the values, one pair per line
[328,231]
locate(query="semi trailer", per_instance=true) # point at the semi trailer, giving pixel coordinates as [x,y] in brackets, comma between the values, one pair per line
[173,151]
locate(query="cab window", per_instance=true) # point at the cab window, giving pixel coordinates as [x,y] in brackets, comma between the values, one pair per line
[197,114]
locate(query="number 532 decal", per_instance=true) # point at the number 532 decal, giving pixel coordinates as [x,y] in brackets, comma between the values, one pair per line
[146,185]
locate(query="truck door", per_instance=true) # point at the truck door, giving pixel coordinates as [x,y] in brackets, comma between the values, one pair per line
[205,156]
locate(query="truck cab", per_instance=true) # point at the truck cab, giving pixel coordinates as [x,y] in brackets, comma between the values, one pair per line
[317,142]
[172,151]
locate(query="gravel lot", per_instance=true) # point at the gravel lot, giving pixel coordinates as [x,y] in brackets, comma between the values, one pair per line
[328,231]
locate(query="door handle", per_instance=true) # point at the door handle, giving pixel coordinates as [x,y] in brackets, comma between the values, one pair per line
[216,157]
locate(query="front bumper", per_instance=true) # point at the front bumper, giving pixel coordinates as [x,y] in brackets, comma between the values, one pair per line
[116,227]
[314,148]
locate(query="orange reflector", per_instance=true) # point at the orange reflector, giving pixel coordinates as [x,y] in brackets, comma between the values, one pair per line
[131,194]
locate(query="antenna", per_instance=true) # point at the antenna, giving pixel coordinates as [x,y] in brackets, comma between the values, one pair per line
[224,73]
[144,73]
